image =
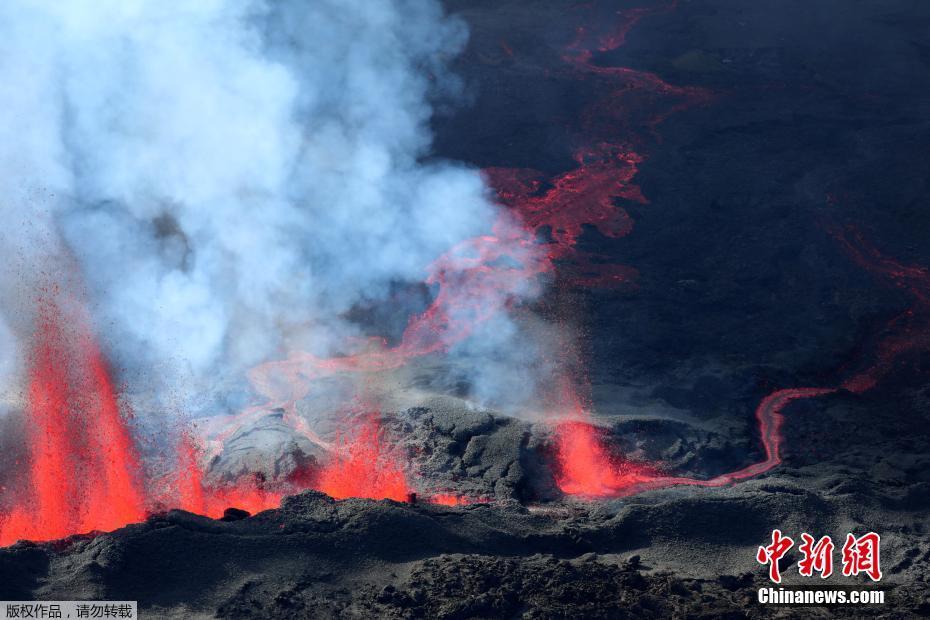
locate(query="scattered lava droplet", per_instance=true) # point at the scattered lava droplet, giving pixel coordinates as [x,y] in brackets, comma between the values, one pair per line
[189,476]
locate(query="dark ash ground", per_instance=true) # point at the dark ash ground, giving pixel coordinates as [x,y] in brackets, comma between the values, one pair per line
[823,117]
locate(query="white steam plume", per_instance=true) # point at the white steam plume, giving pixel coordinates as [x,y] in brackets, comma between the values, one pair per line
[231,175]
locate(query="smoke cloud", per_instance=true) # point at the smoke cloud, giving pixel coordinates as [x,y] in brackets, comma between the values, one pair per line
[230,176]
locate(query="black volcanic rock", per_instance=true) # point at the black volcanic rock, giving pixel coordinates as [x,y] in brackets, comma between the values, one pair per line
[235,514]
[473,453]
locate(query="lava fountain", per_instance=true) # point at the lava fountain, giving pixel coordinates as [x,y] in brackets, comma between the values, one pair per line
[83,467]
[364,465]
[587,469]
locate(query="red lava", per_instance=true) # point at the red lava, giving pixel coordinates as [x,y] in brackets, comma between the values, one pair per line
[83,467]
[452,499]
[586,468]
[365,466]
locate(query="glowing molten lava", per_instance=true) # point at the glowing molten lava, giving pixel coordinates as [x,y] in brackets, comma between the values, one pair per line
[83,466]
[587,469]
[450,499]
[365,467]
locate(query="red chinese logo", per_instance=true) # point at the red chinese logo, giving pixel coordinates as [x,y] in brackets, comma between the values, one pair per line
[774,552]
[817,557]
[860,555]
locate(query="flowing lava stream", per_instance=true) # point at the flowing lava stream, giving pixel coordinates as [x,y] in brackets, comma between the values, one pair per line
[587,195]
[904,334]
[617,128]
[589,470]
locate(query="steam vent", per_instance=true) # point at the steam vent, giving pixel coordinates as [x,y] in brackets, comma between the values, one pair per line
[464,309]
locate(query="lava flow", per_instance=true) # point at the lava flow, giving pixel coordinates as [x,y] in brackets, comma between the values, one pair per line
[83,468]
[617,125]
[476,279]
[617,129]
[589,471]
[907,333]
